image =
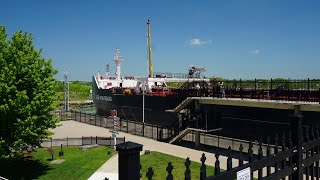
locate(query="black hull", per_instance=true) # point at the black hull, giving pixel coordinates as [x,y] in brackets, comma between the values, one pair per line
[129,107]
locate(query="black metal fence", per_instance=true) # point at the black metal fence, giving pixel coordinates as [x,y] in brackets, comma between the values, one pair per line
[213,143]
[84,140]
[160,133]
[295,155]
[275,89]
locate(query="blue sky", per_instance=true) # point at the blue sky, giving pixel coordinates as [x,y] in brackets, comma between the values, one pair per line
[231,38]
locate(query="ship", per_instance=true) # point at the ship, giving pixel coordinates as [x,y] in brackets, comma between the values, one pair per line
[145,99]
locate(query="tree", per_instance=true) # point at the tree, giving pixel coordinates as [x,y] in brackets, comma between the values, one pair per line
[26,94]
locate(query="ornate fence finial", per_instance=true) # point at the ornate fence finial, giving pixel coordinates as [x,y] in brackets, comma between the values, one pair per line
[217,164]
[169,170]
[240,155]
[187,173]
[149,173]
[203,169]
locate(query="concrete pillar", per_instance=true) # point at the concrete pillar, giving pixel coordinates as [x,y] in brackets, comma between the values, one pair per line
[129,160]
[197,138]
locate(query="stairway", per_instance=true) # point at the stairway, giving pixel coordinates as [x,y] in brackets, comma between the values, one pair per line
[183,104]
[180,135]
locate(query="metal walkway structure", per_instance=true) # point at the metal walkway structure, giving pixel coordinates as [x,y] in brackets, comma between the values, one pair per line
[187,130]
[207,119]
[259,103]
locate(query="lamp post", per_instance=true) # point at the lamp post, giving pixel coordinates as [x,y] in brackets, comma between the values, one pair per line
[143,89]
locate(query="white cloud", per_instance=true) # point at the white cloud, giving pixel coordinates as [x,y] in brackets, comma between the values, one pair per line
[199,42]
[255,51]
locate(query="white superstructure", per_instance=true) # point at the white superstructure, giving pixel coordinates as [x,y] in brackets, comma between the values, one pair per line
[118,59]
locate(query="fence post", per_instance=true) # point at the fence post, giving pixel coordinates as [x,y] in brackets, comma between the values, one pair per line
[157,133]
[319,95]
[197,138]
[143,129]
[82,140]
[67,141]
[152,130]
[96,139]
[297,138]
[127,125]
[129,160]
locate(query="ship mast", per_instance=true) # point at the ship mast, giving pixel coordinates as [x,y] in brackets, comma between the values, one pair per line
[149,51]
[117,59]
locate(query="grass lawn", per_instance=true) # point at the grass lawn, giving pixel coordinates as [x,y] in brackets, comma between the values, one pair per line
[77,165]
[159,161]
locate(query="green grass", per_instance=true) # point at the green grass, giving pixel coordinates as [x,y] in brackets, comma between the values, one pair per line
[77,165]
[159,161]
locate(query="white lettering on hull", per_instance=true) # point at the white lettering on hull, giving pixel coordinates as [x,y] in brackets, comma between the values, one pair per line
[104,98]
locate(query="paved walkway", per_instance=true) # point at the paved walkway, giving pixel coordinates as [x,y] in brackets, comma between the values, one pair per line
[110,168]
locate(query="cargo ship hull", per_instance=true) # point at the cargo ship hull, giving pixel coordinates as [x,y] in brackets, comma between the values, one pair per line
[130,107]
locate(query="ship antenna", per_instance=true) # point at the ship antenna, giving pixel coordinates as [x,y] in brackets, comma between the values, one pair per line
[149,50]
[117,59]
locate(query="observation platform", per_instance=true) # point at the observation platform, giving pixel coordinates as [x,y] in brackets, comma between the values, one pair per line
[258,103]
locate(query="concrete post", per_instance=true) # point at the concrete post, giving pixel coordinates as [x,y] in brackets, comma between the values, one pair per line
[197,138]
[129,160]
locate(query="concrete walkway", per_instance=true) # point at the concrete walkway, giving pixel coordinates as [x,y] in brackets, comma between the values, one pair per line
[110,168]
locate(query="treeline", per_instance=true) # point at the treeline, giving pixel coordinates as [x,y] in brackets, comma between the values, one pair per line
[78,90]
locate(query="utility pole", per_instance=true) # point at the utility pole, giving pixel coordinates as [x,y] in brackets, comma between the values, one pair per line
[66,93]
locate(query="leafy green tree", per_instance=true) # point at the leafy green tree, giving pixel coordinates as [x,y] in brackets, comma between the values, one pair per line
[26,94]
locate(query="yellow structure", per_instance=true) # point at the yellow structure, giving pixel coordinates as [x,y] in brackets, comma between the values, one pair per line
[149,51]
